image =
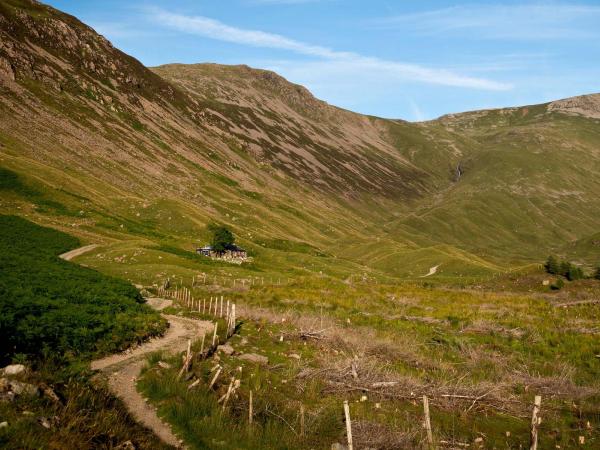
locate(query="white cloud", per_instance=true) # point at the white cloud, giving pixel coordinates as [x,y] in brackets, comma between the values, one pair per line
[116,30]
[285,2]
[210,28]
[526,21]
[417,113]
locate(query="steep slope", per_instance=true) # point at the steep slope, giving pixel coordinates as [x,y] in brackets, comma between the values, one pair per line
[528,181]
[92,140]
[100,131]
[284,125]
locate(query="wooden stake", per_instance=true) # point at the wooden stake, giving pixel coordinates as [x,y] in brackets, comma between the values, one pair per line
[210,306]
[301,420]
[250,410]
[228,390]
[214,380]
[221,313]
[187,360]
[231,326]
[202,346]
[232,387]
[427,422]
[535,421]
[348,424]
[215,334]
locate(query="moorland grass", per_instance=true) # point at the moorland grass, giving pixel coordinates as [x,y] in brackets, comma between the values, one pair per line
[502,348]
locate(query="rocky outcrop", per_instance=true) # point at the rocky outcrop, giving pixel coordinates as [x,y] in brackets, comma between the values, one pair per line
[6,70]
[584,105]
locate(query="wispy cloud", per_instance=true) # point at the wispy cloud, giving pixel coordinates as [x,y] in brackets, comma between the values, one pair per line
[526,21]
[118,30]
[417,113]
[285,2]
[214,29]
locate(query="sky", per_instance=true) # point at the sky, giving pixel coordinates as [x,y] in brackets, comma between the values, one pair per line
[412,60]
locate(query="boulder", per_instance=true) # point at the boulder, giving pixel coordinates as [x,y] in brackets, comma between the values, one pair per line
[225,348]
[255,358]
[338,446]
[24,388]
[127,445]
[6,70]
[14,369]
[3,424]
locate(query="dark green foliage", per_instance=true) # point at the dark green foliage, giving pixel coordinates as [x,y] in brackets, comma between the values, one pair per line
[597,274]
[51,306]
[574,273]
[552,265]
[558,285]
[222,238]
[563,268]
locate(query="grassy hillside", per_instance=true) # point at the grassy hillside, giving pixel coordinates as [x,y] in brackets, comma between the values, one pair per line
[130,157]
[55,315]
[53,307]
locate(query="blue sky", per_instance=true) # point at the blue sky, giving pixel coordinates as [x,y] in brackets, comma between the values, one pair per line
[413,60]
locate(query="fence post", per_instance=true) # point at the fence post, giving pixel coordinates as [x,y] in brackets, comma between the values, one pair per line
[535,421]
[250,410]
[214,380]
[427,422]
[348,424]
[187,360]
[215,334]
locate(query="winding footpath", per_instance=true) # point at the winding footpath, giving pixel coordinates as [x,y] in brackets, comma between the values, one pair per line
[123,369]
[68,256]
[432,271]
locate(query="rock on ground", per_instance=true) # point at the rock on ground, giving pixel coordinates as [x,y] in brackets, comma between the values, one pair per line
[253,357]
[226,348]
[23,388]
[14,369]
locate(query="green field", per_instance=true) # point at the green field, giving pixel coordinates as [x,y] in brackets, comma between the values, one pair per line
[479,356]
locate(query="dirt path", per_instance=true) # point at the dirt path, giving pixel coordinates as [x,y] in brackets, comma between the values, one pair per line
[68,256]
[123,369]
[432,271]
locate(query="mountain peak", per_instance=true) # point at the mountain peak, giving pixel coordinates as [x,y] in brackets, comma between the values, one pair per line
[582,105]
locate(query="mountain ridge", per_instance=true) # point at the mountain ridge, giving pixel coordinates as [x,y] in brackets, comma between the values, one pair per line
[133,147]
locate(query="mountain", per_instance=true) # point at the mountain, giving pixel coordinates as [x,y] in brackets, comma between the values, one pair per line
[94,142]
